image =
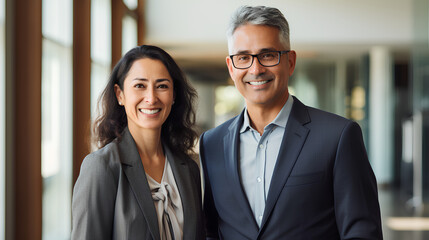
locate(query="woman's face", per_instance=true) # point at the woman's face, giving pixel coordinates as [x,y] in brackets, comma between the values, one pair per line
[147,94]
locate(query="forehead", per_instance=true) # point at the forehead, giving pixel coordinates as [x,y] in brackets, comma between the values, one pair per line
[148,68]
[252,38]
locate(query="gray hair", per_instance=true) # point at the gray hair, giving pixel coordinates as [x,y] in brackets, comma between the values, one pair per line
[259,15]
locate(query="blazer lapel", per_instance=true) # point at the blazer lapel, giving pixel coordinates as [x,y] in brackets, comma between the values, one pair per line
[231,147]
[292,143]
[133,169]
[183,180]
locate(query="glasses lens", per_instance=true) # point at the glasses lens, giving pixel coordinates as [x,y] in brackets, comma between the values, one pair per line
[269,59]
[266,59]
[242,60]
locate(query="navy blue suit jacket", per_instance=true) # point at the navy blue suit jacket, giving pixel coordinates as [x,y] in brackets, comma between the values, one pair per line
[322,187]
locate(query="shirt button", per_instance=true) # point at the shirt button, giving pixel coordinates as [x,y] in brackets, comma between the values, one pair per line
[260,218]
[261,146]
[259,179]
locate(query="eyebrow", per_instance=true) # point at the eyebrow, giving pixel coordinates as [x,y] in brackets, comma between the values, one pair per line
[157,80]
[260,51]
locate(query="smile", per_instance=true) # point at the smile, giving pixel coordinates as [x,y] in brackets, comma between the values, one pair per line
[150,111]
[257,83]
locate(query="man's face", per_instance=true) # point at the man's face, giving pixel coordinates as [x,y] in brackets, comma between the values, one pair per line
[259,85]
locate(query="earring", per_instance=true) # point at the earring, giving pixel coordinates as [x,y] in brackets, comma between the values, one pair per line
[173,101]
[120,103]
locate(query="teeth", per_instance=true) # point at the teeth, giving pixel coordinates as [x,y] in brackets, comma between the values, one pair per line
[258,83]
[147,111]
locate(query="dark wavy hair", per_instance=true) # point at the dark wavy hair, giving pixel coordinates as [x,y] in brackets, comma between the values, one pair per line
[178,129]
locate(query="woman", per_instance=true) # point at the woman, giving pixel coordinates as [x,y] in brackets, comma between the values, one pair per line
[141,183]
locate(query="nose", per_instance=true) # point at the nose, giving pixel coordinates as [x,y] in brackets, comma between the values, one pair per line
[256,68]
[150,96]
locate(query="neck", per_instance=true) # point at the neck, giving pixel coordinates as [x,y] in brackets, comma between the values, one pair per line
[148,144]
[260,115]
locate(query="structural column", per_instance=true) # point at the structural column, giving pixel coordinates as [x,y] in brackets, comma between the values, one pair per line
[117,15]
[381,115]
[26,121]
[141,22]
[81,82]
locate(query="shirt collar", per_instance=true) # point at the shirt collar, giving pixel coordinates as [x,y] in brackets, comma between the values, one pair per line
[246,122]
[280,120]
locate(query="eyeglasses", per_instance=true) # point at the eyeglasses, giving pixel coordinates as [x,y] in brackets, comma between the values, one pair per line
[266,59]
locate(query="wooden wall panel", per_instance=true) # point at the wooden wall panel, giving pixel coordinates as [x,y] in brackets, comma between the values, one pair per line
[141,22]
[81,82]
[118,10]
[27,68]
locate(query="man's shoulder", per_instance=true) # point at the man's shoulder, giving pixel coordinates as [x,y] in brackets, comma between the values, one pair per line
[222,129]
[315,118]
[319,114]
[327,121]
[316,115]
[224,126]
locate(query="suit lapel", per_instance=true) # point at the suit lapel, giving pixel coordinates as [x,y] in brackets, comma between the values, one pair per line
[133,169]
[182,176]
[292,143]
[231,147]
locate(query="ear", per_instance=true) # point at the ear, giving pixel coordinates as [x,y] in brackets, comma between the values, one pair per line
[230,67]
[291,61]
[119,94]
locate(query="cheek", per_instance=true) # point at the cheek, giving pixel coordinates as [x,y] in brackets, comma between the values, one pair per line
[168,100]
[237,76]
[283,70]
[129,101]
[167,112]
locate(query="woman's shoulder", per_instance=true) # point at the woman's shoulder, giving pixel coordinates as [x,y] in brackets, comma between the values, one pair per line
[186,158]
[191,161]
[105,158]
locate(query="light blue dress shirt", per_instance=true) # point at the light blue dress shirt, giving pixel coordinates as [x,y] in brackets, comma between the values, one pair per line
[258,157]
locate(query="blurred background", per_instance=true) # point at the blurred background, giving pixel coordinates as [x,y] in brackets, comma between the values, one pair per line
[365,60]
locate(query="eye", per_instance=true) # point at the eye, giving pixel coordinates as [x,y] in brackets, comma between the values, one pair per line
[162,86]
[267,55]
[243,57]
[139,85]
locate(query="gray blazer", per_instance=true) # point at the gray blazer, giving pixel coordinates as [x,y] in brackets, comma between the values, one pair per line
[112,199]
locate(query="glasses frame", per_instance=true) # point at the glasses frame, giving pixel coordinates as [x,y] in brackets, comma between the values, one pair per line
[256,55]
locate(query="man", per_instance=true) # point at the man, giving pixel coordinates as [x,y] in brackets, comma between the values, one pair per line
[280,169]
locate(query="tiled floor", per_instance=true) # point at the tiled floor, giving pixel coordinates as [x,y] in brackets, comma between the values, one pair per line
[394,209]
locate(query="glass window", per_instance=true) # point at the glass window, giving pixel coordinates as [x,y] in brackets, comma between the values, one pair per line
[2,120]
[229,103]
[99,77]
[57,96]
[101,31]
[131,4]
[56,140]
[101,49]
[57,21]
[129,33]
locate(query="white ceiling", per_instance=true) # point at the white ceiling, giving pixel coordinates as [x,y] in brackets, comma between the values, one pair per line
[192,28]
